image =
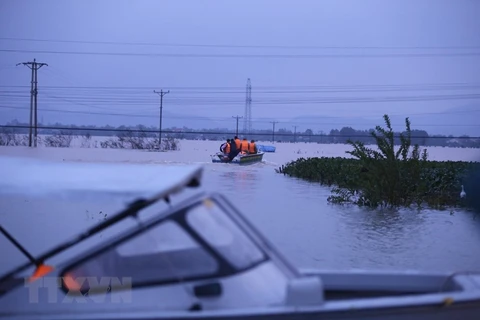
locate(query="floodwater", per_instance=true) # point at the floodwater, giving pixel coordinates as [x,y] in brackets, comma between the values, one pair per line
[296,217]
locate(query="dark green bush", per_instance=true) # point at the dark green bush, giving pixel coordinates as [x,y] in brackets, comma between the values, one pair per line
[385,177]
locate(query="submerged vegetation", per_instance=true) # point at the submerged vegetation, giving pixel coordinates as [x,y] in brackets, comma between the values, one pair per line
[126,139]
[386,176]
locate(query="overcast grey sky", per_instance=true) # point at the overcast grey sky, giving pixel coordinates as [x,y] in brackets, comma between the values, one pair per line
[343,23]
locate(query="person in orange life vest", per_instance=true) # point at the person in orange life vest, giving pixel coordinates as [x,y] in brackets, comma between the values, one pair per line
[234,151]
[244,146]
[252,148]
[237,142]
[225,147]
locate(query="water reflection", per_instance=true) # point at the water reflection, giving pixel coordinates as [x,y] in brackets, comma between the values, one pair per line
[427,239]
[296,216]
[384,232]
[240,180]
[239,175]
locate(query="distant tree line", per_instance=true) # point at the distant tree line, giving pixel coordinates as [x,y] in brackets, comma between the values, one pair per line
[340,136]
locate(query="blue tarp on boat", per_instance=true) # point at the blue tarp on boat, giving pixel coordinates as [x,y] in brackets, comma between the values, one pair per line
[263,148]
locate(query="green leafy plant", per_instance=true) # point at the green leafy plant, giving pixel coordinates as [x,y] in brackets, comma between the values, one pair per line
[390,178]
[385,176]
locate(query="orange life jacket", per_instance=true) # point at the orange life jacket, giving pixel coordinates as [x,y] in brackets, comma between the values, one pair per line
[227,148]
[237,143]
[251,147]
[244,146]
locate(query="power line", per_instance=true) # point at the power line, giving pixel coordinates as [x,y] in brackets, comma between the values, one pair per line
[241,46]
[264,100]
[212,101]
[153,132]
[270,56]
[412,86]
[131,91]
[278,91]
[136,115]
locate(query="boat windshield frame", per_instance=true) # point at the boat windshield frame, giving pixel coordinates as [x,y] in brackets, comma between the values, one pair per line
[177,214]
[9,279]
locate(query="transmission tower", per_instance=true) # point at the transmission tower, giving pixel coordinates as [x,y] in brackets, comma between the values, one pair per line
[247,119]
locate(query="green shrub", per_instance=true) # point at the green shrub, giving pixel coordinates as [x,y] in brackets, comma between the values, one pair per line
[385,177]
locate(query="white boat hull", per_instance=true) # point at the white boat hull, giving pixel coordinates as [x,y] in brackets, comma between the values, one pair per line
[348,295]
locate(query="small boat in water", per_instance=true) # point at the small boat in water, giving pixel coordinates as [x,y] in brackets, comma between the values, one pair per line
[241,159]
[264,148]
[197,258]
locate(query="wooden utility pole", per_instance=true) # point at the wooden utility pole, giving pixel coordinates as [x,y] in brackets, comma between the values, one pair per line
[34,66]
[273,131]
[295,134]
[236,131]
[161,93]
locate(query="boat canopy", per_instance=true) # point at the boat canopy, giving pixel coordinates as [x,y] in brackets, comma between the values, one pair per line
[34,177]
